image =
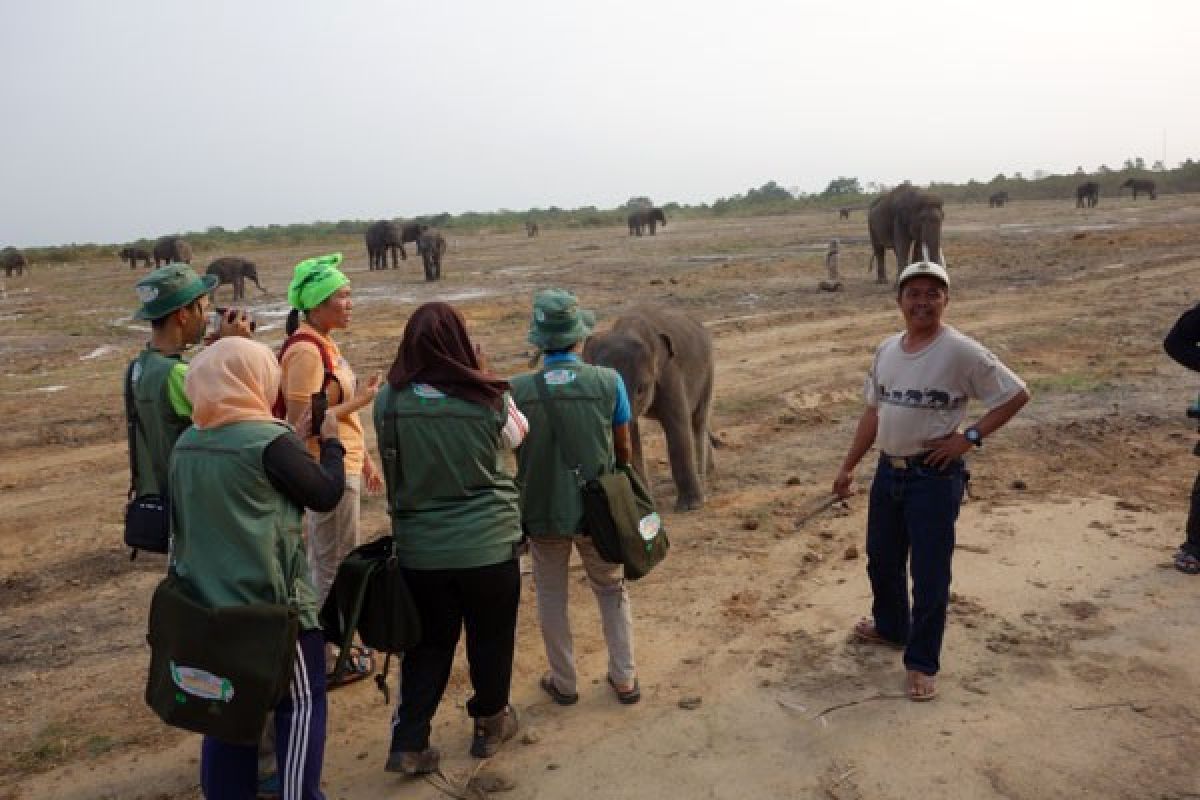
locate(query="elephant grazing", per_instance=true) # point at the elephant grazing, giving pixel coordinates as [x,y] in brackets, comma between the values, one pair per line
[134,255]
[1140,185]
[172,250]
[13,260]
[1087,195]
[844,213]
[234,271]
[998,200]
[647,218]
[666,361]
[384,236]
[908,221]
[531,229]
[432,246]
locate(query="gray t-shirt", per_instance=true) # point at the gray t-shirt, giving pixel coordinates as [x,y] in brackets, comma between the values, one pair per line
[924,395]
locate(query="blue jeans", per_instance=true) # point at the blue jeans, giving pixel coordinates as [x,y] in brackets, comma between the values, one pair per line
[912,514]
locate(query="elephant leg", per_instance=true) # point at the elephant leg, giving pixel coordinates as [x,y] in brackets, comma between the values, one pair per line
[639,460]
[700,437]
[672,411]
[880,258]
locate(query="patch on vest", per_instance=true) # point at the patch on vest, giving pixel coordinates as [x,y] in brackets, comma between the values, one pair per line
[427,391]
[557,377]
[203,684]
[147,294]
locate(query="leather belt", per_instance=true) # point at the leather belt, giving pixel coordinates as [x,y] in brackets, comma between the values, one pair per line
[906,462]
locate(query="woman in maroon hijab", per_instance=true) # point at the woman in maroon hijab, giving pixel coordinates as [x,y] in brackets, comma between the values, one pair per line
[443,421]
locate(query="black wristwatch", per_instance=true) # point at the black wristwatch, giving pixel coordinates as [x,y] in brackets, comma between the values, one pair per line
[974,436]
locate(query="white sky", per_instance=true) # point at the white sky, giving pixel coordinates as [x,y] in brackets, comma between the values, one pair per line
[141,117]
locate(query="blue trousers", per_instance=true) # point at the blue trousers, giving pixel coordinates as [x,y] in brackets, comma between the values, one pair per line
[230,771]
[910,521]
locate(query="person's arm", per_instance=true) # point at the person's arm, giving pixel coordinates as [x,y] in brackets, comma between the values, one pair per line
[515,424]
[864,438]
[302,480]
[176,396]
[945,449]
[622,443]
[1181,342]
[364,395]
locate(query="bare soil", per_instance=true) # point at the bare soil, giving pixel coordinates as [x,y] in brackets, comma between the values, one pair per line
[1070,663]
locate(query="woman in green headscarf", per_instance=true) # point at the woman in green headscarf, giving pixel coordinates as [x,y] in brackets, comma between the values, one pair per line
[311,361]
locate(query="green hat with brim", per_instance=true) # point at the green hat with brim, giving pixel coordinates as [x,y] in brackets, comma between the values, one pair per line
[170,288]
[558,321]
[314,280]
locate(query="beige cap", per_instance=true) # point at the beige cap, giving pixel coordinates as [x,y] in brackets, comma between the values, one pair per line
[928,269]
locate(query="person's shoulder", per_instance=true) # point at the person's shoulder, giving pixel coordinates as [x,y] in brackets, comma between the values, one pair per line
[889,343]
[962,342]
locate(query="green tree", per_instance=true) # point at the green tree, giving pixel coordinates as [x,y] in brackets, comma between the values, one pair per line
[637,202]
[842,185]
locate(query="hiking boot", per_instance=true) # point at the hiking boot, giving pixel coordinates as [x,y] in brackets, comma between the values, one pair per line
[413,762]
[493,731]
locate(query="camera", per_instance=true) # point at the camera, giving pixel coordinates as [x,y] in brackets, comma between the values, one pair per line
[213,324]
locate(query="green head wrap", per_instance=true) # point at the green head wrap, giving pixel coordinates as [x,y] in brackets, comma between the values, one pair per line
[314,280]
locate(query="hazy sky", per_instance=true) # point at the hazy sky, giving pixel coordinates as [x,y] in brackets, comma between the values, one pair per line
[141,117]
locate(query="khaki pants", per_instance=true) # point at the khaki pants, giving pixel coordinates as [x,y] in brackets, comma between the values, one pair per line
[331,536]
[551,557]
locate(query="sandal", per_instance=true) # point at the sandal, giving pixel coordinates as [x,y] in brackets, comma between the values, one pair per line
[864,631]
[629,696]
[559,696]
[358,664]
[1187,563]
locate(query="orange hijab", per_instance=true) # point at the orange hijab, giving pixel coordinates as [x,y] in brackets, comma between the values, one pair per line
[233,380]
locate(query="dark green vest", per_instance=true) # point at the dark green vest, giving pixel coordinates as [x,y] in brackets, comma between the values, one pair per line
[452,501]
[235,538]
[158,424]
[585,397]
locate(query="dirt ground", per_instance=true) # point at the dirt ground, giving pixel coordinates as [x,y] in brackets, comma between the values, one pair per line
[1070,667]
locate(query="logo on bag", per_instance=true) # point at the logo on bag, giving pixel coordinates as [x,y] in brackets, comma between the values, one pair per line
[649,525]
[427,391]
[557,377]
[202,684]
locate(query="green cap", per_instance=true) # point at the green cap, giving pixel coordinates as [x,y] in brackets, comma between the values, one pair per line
[558,321]
[169,288]
[314,280]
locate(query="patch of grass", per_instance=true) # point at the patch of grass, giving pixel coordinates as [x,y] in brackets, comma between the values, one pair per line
[1082,382]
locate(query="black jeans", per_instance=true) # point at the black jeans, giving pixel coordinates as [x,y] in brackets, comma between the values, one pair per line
[912,512]
[1192,545]
[483,600]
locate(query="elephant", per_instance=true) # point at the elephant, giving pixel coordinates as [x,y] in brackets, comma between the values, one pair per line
[665,359]
[908,221]
[234,271]
[998,200]
[531,229]
[386,235]
[1087,195]
[1140,185]
[134,255]
[172,250]
[13,260]
[646,218]
[844,213]
[432,246]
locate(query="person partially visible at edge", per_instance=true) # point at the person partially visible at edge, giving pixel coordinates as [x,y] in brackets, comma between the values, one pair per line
[443,422]
[239,481]
[174,300]
[321,293]
[916,395]
[1181,345]
[594,410]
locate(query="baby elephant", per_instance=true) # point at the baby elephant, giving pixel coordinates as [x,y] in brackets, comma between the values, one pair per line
[666,361]
[432,246]
[234,271]
[135,254]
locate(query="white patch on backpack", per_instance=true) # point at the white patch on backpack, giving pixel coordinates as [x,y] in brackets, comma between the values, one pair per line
[200,683]
[557,377]
[427,391]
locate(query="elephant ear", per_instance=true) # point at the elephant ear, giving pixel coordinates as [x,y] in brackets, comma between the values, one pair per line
[666,340]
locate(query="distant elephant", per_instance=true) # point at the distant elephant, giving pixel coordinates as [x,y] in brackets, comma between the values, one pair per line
[13,260]
[386,235]
[432,246]
[531,229]
[908,221]
[134,255]
[172,250]
[1140,185]
[646,218]
[1087,195]
[666,361]
[998,200]
[234,271]
[844,213]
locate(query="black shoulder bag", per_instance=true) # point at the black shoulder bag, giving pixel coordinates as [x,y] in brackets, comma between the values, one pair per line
[147,517]
[618,511]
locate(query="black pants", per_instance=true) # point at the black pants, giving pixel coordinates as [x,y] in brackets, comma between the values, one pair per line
[483,600]
[1192,545]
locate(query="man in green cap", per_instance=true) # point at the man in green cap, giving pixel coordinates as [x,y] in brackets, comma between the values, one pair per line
[175,301]
[593,409]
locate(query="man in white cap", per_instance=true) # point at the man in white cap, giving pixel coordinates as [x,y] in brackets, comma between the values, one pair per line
[916,394]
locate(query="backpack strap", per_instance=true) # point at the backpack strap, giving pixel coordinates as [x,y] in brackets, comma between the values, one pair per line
[280,407]
[131,424]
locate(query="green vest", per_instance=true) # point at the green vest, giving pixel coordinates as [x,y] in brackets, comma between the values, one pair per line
[452,502]
[158,424]
[585,397]
[235,538]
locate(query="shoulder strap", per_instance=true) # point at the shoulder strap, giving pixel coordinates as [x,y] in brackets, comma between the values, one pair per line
[131,424]
[326,360]
[556,431]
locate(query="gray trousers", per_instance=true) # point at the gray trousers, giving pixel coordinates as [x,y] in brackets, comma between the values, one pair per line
[331,536]
[551,557]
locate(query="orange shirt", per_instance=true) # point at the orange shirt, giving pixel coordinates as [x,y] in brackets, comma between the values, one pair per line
[303,372]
